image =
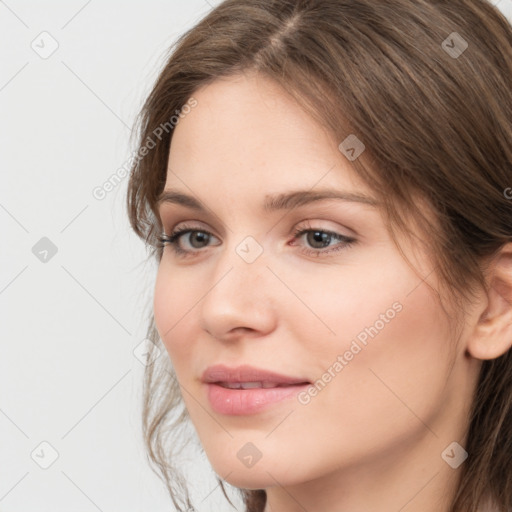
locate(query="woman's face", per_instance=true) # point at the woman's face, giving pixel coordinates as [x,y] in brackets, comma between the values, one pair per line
[336,306]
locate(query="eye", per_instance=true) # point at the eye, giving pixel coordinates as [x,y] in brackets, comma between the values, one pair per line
[187,241]
[319,239]
[196,239]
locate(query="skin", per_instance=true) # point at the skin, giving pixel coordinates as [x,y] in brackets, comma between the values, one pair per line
[372,438]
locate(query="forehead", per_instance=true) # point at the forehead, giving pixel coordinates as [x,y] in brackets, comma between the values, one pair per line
[246,127]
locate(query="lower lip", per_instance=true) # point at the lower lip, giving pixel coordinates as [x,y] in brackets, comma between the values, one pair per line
[248,401]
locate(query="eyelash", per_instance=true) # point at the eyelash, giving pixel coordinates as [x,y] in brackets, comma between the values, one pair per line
[173,240]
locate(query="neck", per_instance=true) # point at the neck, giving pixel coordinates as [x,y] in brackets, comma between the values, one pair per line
[406,479]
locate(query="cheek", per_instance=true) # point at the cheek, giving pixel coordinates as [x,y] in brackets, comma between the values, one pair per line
[173,305]
[390,386]
[392,375]
[389,360]
[164,304]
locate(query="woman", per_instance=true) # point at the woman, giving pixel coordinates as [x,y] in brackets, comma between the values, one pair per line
[332,226]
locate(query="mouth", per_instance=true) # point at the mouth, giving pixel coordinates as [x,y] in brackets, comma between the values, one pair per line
[247,377]
[256,385]
[248,390]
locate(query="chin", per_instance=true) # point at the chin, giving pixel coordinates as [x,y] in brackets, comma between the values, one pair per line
[263,474]
[237,474]
[248,479]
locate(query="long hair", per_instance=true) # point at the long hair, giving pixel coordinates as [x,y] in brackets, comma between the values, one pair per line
[427,86]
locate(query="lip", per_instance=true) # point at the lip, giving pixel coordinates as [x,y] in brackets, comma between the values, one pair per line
[246,373]
[248,401]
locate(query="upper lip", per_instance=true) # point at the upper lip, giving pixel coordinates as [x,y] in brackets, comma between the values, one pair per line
[246,373]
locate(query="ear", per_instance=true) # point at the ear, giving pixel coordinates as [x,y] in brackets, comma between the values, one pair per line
[492,334]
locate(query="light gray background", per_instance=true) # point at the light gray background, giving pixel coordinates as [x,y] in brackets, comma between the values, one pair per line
[70,323]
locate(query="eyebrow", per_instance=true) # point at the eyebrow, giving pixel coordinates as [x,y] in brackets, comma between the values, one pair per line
[272,203]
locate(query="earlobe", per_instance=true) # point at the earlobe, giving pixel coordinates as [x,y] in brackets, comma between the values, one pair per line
[492,335]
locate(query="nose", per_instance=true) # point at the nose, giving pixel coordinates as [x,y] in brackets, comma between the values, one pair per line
[239,299]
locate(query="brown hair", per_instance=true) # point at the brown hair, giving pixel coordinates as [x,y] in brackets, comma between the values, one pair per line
[436,125]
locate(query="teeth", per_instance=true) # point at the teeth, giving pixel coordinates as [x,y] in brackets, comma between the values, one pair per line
[230,385]
[251,385]
[246,385]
